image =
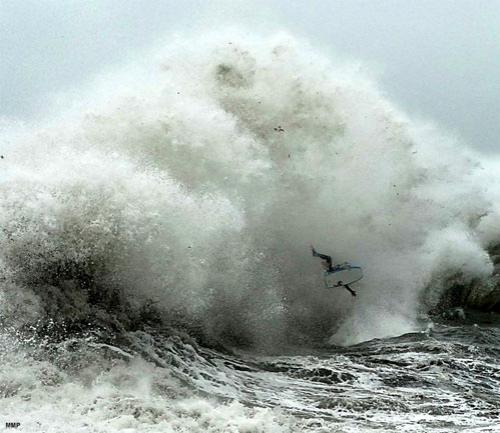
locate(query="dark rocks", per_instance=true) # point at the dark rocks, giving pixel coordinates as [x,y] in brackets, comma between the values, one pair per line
[478,294]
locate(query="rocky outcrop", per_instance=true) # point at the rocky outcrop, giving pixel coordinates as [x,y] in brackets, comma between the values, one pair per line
[482,295]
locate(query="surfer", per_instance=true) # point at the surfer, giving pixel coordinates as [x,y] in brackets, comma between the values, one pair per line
[328,265]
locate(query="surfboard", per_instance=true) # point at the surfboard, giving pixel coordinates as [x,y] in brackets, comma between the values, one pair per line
[343,274]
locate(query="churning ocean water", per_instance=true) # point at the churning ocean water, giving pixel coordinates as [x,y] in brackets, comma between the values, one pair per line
[156,274]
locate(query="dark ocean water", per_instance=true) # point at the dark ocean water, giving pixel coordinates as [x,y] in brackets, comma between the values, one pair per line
[445,379]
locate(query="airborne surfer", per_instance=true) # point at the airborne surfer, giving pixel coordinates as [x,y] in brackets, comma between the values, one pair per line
[329,268]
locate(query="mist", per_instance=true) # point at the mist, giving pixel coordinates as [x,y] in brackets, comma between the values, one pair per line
[439,61]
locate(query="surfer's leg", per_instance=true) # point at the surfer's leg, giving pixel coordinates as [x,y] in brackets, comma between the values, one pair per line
[324,257]
[353,293]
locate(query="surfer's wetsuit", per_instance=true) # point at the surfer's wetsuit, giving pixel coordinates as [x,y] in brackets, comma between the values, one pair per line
[328,262]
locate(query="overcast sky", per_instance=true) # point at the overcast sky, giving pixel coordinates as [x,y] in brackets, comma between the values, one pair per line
[437,59]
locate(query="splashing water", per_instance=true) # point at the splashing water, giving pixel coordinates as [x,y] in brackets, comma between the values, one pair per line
[186,193]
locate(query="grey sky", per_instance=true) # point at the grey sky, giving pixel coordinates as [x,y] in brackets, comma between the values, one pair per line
[437,59]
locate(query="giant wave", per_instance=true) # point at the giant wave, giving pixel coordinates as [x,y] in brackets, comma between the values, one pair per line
[183,195]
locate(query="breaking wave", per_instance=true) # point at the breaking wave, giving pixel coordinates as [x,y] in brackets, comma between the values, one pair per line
[166,216]
[197,184]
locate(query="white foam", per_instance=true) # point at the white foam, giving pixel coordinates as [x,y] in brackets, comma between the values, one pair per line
[200,181]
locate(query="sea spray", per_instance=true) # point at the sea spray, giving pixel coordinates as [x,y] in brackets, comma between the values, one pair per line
[198,184]
[154,251]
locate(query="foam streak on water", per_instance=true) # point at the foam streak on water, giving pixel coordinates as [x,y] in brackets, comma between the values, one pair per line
[443,381]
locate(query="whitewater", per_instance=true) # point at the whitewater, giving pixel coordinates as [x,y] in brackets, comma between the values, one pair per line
[155,263]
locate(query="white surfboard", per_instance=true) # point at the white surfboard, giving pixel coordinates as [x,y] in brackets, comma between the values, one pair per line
[343,274]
